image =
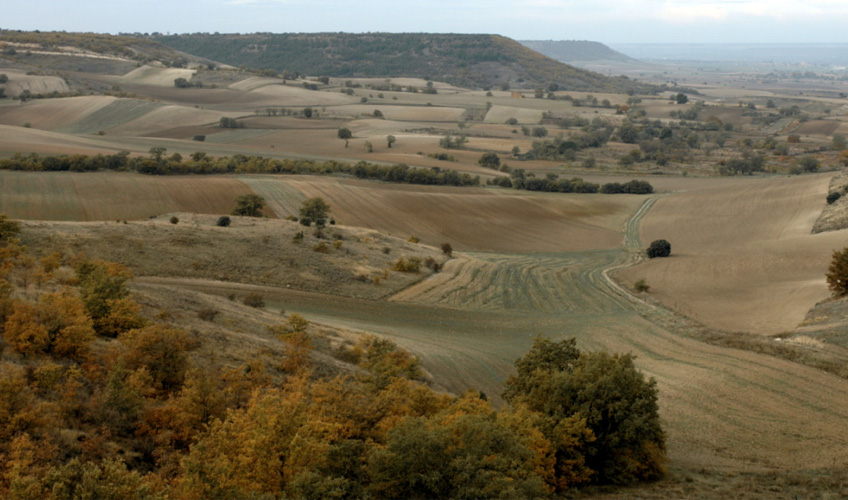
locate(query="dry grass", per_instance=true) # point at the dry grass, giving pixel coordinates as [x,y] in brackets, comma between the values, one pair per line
[253,251]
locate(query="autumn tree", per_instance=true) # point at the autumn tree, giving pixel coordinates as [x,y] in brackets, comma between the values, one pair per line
[161,351]
[315,210]
[249,205]
[242,455]
[8,228]
[618,405]
[101,284]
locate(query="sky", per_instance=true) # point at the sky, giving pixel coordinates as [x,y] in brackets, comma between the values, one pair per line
[606,21]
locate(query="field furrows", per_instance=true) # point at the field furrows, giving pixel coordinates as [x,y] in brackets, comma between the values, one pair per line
[548,283]
[556,283]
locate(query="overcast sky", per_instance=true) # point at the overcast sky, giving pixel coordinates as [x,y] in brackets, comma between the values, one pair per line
[607,21]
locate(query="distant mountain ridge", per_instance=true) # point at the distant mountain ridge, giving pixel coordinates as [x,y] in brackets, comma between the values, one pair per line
[575,50]
[484,61]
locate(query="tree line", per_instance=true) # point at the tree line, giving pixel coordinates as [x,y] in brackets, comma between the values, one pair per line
[158,163]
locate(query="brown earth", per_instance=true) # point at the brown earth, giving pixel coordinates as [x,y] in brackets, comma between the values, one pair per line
[743,256]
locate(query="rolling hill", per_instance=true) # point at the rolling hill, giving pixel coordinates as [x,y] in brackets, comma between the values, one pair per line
[465,60]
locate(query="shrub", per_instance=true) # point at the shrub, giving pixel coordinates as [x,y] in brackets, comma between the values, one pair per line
[254,300]
[809,164]
[413,239]
[199,138]
[207,314]
[837,273]
[8,228]
[659,248]
[833,196]
[432,264]
[298,237]
[387,250]
[413,265]
[223,221]
[321,248]
[175,220]
[337,244]
[641,286]
[226,122]
[305,221]
[447,249]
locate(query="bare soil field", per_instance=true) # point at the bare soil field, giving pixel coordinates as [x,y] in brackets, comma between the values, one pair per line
[115,114]
[53,114]
[29,140]
[400,113]
[500,114]
[818,127]
[743,256]
[19,81]
[160,77]
[112,196]
[468,218]
[172,116]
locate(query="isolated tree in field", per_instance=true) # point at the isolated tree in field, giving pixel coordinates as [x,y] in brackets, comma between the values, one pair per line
[682,98]
[315,209]
[489,160]
[307,112]
[3,78]
[390,139]
[181,83]
[249,205]
[837,273]
[345,134]
[659,248]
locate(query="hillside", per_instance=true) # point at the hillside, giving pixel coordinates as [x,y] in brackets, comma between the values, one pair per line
[85,52]
[465,60]
[575,50]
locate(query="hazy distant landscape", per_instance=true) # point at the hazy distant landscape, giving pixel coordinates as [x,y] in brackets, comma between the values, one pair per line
[281,265]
